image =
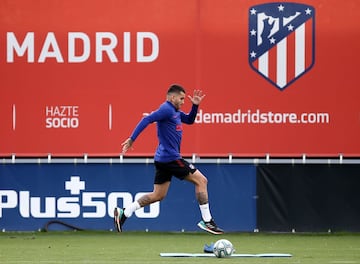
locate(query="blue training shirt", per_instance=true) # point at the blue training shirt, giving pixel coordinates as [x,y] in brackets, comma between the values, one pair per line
[169,129]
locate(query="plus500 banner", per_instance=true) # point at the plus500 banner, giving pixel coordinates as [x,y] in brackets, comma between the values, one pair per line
[84,195]
[279,77]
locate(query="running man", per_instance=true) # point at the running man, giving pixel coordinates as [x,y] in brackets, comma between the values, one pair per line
[168,160]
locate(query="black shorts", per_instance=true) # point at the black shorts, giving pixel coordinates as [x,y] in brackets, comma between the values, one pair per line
[179,168]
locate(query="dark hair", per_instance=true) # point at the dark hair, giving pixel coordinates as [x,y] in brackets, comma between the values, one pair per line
[175,88]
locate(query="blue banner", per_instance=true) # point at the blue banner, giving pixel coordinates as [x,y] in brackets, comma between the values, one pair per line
[84,195]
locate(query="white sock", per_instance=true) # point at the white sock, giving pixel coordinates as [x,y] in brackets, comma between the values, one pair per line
[129,210]
[205,212]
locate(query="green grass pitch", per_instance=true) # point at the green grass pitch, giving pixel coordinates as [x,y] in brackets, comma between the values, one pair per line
[145,247]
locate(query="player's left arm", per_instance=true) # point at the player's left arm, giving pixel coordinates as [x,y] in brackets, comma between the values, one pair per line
[155,116]
[196,99]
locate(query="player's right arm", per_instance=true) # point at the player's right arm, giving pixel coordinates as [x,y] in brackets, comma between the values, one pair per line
[155,116]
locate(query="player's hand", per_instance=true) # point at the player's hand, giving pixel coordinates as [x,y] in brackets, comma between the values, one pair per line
[197,97]
[126,145]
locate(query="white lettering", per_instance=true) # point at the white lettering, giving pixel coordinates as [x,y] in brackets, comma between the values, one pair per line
[13,46]
[259,117]
[35,206]
[68,207]
[141,57]
[88,201]
[64,116]
[24,204]
[65,122]
[108,48]
[72,39]
[63,110]
[127,46]
[79,47]
[91,205]
[8,199]
[50,49]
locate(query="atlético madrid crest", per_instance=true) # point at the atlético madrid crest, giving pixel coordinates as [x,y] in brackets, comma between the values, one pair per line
[281,41]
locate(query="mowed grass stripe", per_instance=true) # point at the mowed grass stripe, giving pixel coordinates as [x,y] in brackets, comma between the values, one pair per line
[142,247]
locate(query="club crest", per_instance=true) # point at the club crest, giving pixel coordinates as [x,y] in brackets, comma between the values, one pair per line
[281,41]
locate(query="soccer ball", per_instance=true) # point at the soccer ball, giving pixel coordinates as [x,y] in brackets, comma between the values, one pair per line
[223,248]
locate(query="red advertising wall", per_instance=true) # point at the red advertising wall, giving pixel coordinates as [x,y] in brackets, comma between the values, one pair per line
[279,77]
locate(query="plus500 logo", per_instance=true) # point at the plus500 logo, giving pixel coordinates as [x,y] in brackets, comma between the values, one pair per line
[87,205]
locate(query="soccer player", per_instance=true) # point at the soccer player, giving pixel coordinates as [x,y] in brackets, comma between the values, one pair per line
[168,160]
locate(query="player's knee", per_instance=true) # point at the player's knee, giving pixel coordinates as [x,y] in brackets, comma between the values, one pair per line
[159,196]
[203,181]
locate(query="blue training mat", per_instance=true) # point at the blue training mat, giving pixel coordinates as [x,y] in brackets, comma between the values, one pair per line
[211,255]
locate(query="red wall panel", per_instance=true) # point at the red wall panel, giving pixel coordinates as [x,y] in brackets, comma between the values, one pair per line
[200,44]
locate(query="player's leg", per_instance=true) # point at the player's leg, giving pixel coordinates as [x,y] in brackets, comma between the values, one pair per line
[161,187]
[159,192]
[201,193]
[200,182]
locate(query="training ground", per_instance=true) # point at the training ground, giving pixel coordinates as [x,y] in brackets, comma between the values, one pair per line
[145,247]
